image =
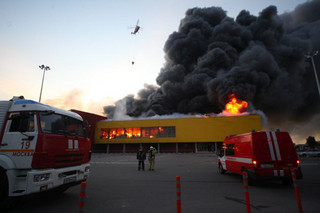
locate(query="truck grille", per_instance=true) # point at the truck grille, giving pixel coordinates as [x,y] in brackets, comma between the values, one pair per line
[68,158]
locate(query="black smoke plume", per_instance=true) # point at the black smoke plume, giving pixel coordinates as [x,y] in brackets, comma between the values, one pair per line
[260,59]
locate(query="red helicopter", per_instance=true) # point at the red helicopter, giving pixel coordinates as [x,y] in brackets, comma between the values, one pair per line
[136,28]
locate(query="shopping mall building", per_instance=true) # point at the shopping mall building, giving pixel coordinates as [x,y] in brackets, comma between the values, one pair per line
[174,135]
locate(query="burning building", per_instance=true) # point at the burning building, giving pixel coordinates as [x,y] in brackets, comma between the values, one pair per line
[173,134]
[188,134]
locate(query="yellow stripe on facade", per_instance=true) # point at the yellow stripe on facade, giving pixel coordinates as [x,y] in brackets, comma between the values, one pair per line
[188,130]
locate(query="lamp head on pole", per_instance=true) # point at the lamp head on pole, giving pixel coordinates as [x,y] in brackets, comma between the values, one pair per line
[311,54]
[45,68]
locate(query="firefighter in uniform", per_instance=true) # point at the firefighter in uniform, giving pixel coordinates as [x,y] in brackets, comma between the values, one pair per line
[141,156]
[152,155]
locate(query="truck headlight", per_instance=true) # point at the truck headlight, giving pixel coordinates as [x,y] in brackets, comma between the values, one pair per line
[41,177]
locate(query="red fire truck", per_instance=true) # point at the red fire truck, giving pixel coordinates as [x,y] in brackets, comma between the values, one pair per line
[263,155]
[41,148]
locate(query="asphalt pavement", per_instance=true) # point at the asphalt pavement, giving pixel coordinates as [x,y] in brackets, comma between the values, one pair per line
[115,185]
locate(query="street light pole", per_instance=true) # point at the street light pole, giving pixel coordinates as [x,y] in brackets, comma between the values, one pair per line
[44,68]
[311,55]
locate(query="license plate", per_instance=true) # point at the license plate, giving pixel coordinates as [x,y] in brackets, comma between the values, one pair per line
[266,165]
[69,180]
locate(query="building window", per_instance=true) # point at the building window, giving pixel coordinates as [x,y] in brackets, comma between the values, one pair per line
[167,131]
[149,132]
[116,133]
[137,132]
[133,132]
[104,133]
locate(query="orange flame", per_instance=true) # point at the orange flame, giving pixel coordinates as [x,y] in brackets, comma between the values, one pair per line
[235,106]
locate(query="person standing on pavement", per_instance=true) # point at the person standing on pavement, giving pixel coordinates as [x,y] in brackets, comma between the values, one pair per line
[152,155]
[141,156]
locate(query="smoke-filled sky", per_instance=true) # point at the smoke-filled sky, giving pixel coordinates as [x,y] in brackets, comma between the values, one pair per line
[189,56]
[259,59]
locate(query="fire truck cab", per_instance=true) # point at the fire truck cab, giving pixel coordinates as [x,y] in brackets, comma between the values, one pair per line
[41,148]
[263,155]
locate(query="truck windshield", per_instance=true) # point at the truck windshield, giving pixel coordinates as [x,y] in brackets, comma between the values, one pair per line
[52,123]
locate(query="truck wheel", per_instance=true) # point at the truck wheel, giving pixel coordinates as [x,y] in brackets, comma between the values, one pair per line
[3,190]
[220,169]
[287,182]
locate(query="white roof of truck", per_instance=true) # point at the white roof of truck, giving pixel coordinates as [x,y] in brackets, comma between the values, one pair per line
[30,105]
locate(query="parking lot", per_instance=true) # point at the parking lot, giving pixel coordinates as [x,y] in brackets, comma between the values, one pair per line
[116,185]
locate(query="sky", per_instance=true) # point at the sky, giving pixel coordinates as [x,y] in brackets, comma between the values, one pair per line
[89,47]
